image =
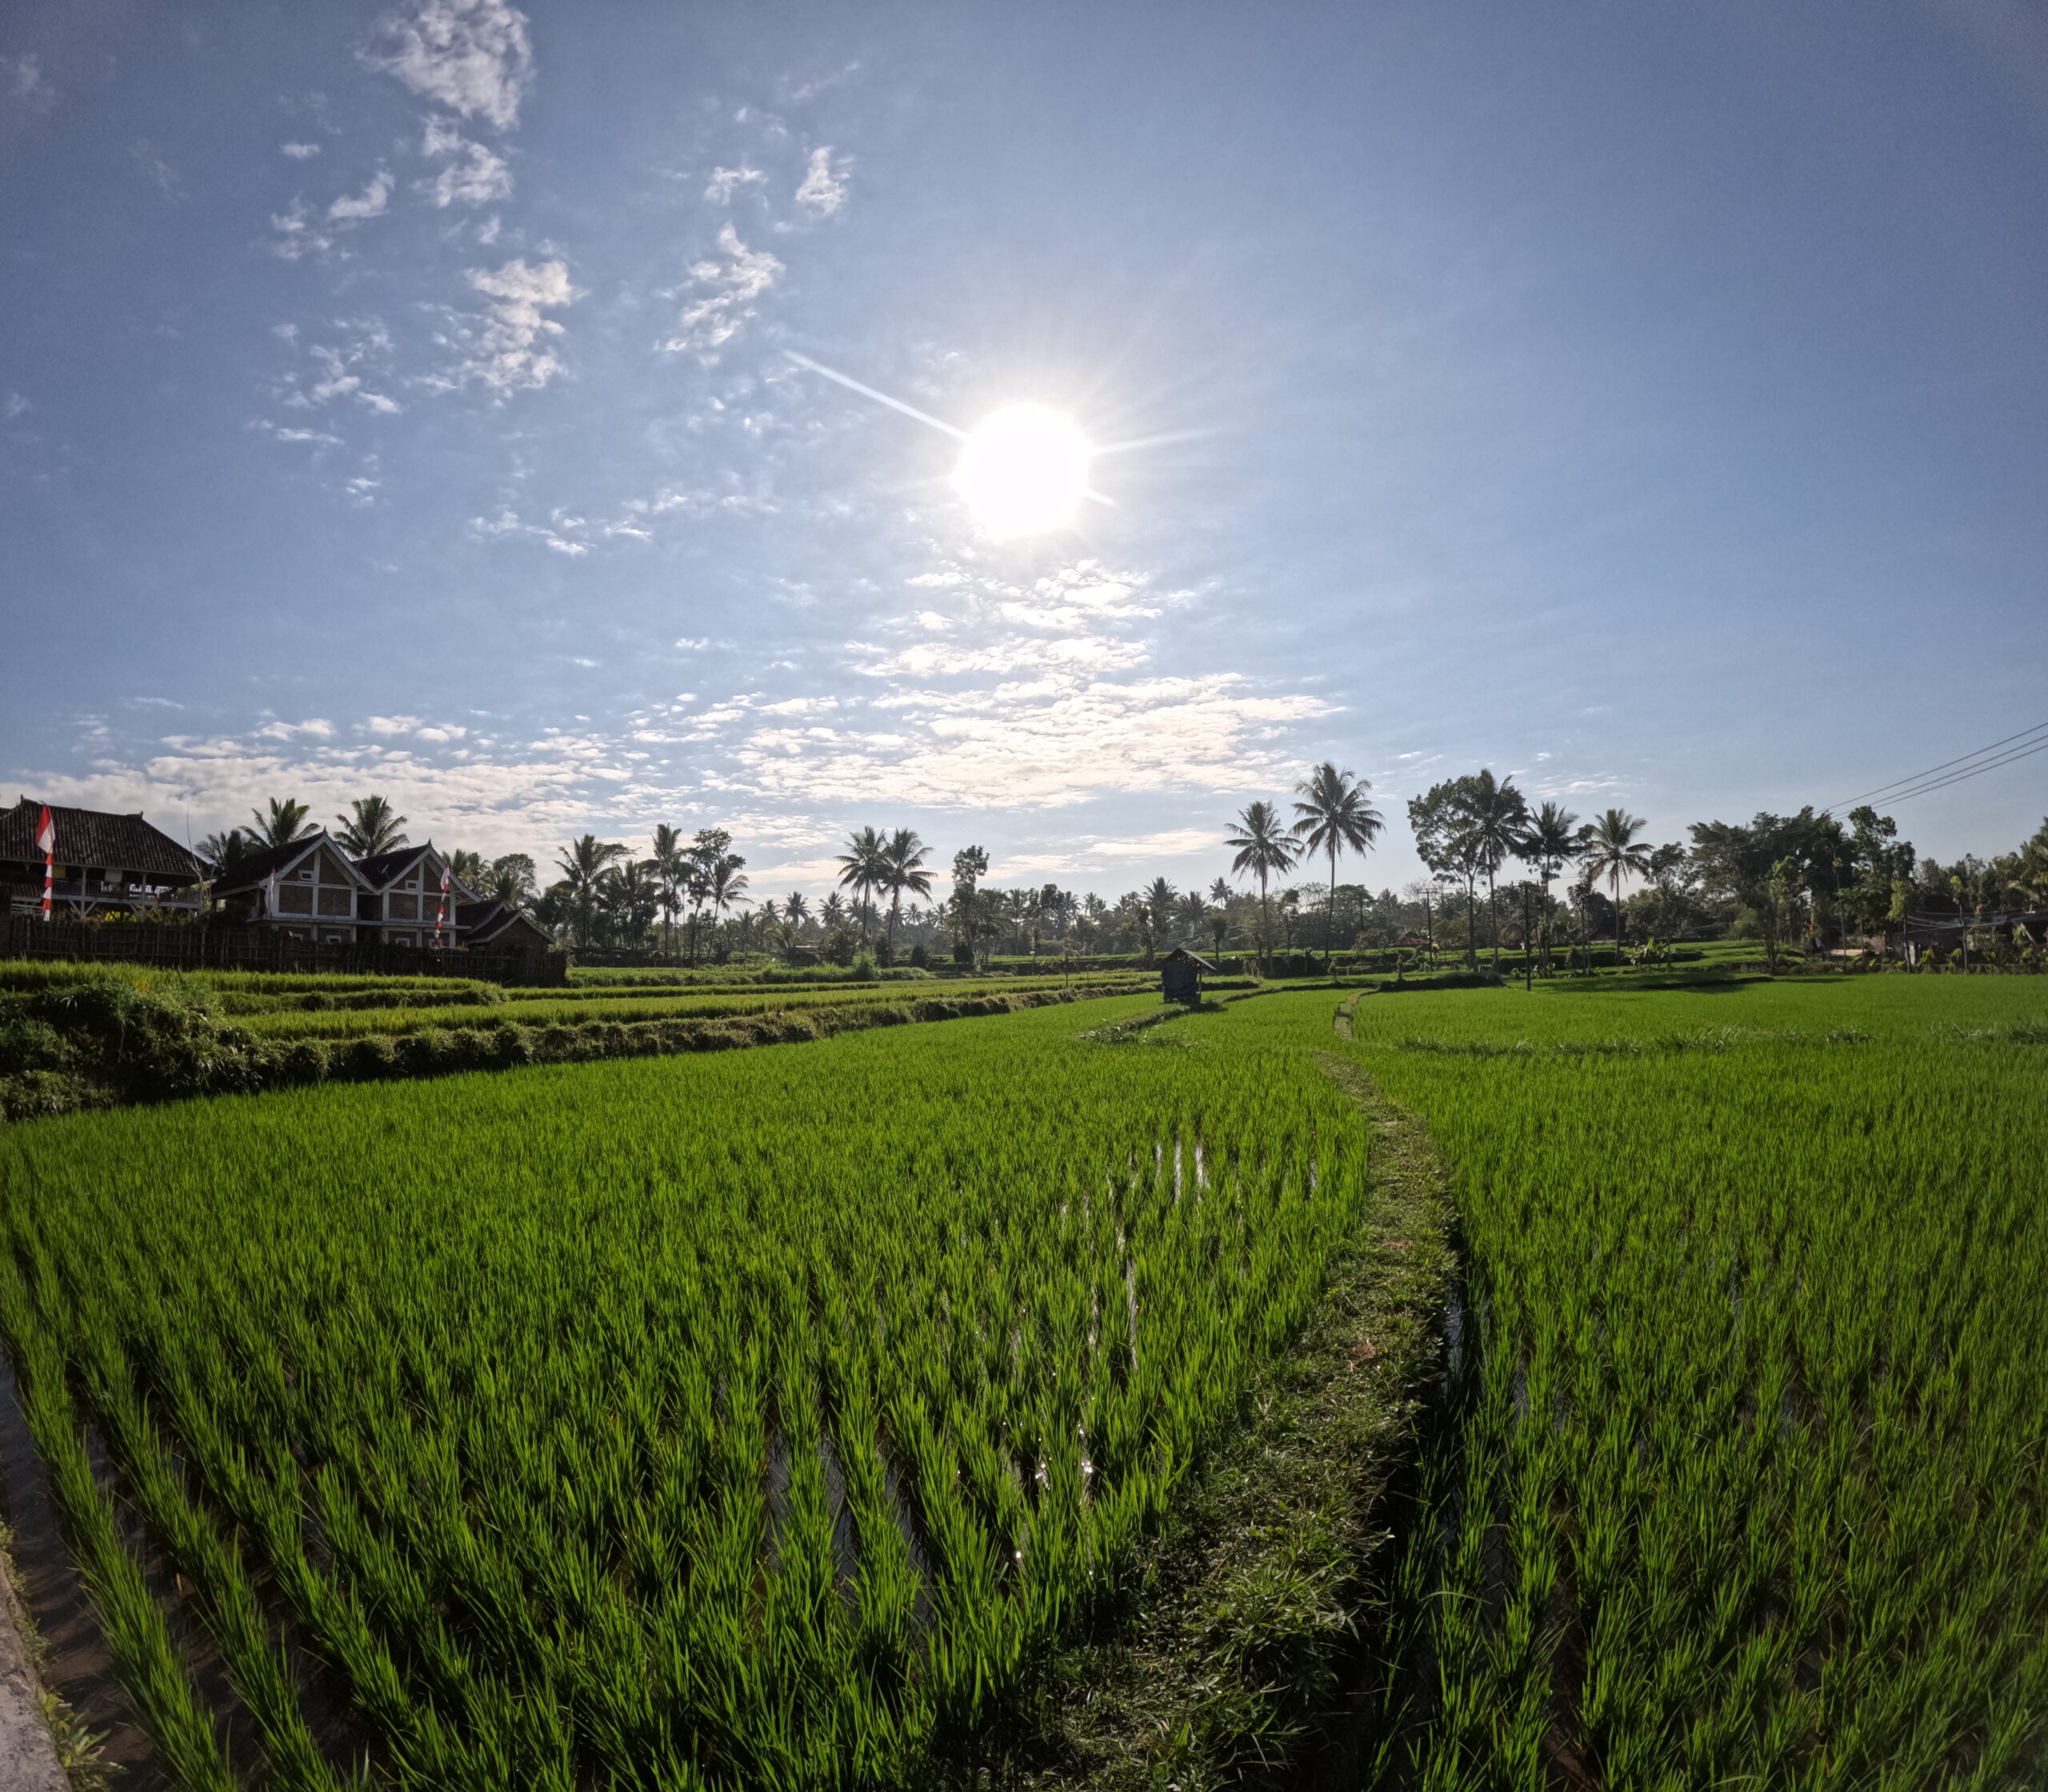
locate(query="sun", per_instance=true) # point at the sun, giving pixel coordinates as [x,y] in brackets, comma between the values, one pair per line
[1024,470]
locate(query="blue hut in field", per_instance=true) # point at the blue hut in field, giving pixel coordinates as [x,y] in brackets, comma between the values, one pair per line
[1180,976]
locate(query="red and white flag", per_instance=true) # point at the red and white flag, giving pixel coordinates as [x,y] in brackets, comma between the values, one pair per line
[46,837]
[441,914]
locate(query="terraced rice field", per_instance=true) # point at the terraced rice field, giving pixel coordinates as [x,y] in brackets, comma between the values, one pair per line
[557,1009]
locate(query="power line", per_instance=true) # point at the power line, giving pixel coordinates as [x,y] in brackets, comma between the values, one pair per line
[2021,746]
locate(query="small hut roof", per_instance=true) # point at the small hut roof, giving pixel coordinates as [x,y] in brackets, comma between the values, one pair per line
[1180,955]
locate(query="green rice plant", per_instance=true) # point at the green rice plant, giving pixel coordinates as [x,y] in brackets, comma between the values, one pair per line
[751,1419]
[1740,1484]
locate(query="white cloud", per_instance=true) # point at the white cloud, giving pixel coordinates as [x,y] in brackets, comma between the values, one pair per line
[298,235]
[160,173]
[30,86]
[1045,744]
[474,175]
[1012,653]
[318,728]
[730,284]
[365,349]
[278,432]
[371,203]
[300,152]
[512,352]
[15,405]
[725,182]
[561,533]
[471,56]
[823,190]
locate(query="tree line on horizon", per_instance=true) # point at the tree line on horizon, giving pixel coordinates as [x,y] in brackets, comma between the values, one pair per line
[1781,879]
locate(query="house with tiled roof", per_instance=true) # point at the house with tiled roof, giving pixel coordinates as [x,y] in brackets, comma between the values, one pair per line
[308,889]
[403,902]
[106,864]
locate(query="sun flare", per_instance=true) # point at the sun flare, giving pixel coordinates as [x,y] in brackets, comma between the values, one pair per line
[1024,470]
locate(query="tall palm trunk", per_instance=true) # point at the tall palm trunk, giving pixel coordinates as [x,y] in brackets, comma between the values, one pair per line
[1329,917]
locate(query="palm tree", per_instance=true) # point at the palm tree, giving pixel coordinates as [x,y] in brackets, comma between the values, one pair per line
[1495,815]
[670,862]
[630,896]
[796,911]
[508,879]
[224,851]
[1193,912]
[1550,839]
[1613,852]
[1263,851]
[863,868]
[286,823]
[1334,816]
[902,860]
[582,866]
[1160,900]
[373,827]
[724,883]
[832,911]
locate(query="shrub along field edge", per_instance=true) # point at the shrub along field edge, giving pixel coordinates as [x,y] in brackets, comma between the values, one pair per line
[108,1044]
[1224,1655]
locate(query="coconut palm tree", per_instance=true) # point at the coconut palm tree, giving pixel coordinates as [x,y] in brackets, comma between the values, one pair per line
[1494,814]
[863,868]
[1334,815]
[669,860]
[1263,851]
[585,862]
[796,911]
[628,896]
[724,883]
[284,824]
[224,851]
[832,911]
[1613,852]
[1550,839]
[372,827]
[902,865]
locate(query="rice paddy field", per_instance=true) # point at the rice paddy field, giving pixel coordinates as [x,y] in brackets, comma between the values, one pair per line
[767,1418]
[1740,1480]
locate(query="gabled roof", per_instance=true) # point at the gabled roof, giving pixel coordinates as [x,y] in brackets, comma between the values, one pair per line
[94,838]
[1180,955]
[385,868]
[484,921]
[256,868]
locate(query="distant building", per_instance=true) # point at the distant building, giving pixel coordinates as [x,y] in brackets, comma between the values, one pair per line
[493,927]
[106,864]
[308,890]
[402,898]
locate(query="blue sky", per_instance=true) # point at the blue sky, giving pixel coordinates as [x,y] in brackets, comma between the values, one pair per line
[1646,401]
